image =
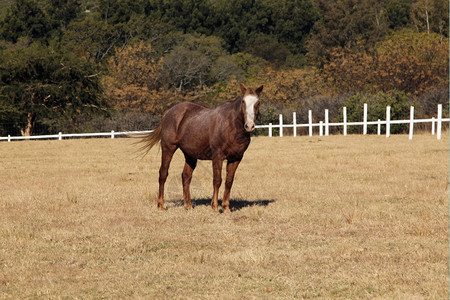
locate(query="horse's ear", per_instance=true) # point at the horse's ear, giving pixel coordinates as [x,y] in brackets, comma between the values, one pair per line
[259,90]
[243,88]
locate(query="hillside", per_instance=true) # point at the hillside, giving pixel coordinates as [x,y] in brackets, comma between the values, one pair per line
[73,65]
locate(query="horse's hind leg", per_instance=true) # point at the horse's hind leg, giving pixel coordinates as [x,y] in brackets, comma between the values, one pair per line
[166,157]
[186,177]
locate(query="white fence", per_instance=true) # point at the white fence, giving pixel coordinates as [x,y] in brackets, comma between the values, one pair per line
[436,123]
[324,126]
[61,135]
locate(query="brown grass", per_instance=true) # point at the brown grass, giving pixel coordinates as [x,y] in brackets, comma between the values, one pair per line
[332,217]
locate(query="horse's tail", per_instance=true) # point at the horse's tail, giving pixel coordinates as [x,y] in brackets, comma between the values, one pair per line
[151,139]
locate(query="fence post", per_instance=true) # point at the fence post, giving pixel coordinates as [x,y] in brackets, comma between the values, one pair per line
[294,122]
[281,125]
[439,122]
[344,113]
[327,126]
[112,134]
[321,128]
[411,123]
[433,125]
[270,129]
[379,127]
[9,138]
[60,136]
[388,121]
[365,119]
[310,122]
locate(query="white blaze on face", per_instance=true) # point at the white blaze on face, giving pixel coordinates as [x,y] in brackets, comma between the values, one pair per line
[250,101]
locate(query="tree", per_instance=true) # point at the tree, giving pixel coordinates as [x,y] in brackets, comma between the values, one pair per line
[187,16]
[238,21]
[39,85]
[346,23]
[119,11]
[269,49]
[62,12]
[194,63]
[405,61]
[134,80]
[431,16]
[410,62]
[114,24]
[398,13]
[92,38]
[25,18]
[292,22]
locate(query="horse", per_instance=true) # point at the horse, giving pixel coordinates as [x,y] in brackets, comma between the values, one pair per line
[216,134]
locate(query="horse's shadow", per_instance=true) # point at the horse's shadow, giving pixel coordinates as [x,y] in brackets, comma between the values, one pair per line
[235,204]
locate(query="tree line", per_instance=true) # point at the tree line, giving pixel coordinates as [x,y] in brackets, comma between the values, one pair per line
[90,65]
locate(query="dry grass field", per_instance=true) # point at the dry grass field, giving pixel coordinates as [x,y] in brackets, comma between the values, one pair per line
[332,217]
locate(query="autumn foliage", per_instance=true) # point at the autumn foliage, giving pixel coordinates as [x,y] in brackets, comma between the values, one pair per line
[135,82]
[409,62]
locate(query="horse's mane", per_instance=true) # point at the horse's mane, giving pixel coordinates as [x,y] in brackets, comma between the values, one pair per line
[233,100]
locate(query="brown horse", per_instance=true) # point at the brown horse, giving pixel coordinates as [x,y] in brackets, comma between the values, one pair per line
[206,134]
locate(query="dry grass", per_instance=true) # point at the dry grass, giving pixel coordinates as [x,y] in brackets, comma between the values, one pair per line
[334,217]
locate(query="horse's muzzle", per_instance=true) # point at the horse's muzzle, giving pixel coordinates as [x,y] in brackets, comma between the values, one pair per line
[249,127]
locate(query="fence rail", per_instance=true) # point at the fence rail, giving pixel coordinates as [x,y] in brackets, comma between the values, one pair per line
[61,135]
[324,126]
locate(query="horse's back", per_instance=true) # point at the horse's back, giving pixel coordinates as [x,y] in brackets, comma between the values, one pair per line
[179,119]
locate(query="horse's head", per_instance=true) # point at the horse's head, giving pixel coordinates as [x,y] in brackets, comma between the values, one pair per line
[250,106]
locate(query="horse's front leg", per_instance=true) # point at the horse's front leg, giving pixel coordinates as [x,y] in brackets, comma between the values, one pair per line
[217,181]
[231,170]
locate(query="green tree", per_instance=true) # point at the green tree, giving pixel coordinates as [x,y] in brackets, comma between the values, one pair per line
[292,22]
[268,48]
[62,12]
[113,24]
[93,38]
[346,23]
[238,21]
[39,85]
[25,18]
[188,16]
[119,11]
[398,13]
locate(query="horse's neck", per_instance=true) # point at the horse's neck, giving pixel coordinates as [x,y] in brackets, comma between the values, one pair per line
[237,109]
[237,120]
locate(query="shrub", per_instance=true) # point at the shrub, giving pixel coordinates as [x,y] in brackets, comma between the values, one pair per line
[376,109]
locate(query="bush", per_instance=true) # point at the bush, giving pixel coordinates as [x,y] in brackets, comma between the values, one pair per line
[376,109]
[130,121]
[428,101]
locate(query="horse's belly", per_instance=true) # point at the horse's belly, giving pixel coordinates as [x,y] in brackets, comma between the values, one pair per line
[196,147]
[202,155]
